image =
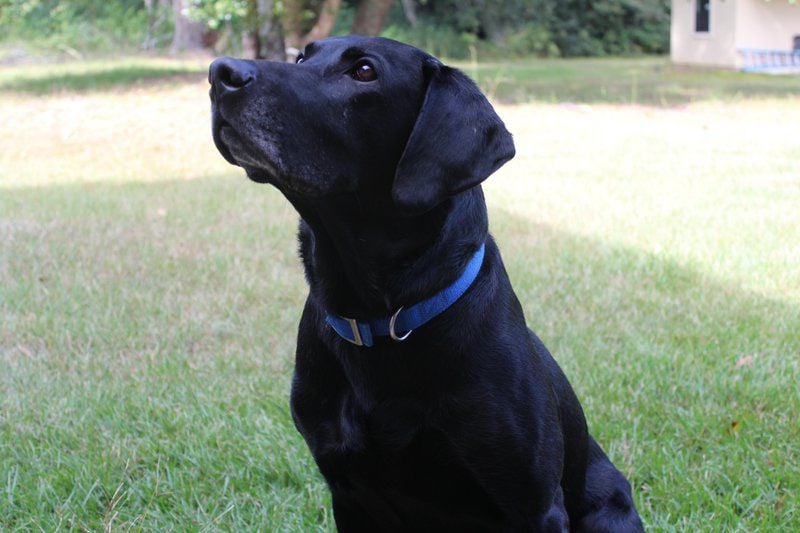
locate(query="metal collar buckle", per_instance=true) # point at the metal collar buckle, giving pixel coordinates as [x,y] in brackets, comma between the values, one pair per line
[356,332]
[415,316]
[392,334]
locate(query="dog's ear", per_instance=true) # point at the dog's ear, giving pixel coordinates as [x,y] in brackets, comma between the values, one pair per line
[457,142]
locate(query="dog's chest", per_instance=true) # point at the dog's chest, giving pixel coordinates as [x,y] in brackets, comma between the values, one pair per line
[391,453]
[350,429]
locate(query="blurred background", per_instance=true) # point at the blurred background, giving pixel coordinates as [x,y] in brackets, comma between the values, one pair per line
[266,28]
[150,293]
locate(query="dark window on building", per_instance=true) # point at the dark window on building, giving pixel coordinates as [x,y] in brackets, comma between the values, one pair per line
[702,15]
[797,43]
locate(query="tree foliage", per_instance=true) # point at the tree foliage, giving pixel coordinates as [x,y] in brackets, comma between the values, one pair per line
[75,27]
[542,27]
[451,28]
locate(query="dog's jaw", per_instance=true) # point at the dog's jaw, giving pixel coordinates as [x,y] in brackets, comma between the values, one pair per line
[261,162]
[217,125]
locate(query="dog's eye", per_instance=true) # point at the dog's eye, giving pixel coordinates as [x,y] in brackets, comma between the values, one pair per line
[364,71]
[300,58]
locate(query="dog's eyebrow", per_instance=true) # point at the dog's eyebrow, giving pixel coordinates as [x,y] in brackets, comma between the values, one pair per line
[354,52]
[310,48]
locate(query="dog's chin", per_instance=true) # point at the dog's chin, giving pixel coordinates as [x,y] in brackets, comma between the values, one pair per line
[222,147]
[291,187]
[236,152]
[258,175]
[261,168]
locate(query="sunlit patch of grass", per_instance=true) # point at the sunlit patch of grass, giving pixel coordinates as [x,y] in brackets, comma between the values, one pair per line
[714,186]
[143,134]
[149,297]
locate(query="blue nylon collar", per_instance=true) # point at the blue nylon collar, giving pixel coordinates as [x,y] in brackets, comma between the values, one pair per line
[405,320]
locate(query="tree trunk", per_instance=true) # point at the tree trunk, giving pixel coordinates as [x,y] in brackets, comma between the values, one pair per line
[270,32]
[188,36]
[156,19]
[300,34]
[370,17]
[223,38]
[410,10]
[151,23]
[251,44]
[272,43]
[325,22]
[263,38]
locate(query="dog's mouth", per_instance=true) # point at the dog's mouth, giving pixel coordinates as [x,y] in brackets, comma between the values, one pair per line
[233,146]
[260,157]
[222,133]
[237,151]
[227,141]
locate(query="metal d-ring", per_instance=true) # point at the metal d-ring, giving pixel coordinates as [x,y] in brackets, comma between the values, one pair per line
[391,327]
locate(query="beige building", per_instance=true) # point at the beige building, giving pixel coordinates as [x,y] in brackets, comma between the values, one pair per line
[757,35]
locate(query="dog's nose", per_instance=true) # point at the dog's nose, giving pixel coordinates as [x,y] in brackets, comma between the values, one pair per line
[227,74]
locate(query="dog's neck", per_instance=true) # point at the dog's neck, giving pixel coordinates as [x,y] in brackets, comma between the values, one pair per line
[362,262]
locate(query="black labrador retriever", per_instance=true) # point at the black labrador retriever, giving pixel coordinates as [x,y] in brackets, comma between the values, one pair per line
[426,401]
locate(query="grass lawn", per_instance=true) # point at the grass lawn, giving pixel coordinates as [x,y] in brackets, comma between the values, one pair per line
[647,80]
[149,294]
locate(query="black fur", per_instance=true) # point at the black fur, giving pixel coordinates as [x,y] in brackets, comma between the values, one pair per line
[469,425]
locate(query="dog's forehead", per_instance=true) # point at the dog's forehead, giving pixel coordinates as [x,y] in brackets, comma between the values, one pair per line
[335,48]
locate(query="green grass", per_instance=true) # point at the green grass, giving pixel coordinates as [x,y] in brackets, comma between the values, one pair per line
[643,80]
[149,298]
[646,80]
[97,75]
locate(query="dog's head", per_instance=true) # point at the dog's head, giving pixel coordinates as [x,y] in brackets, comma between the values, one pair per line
[354,115]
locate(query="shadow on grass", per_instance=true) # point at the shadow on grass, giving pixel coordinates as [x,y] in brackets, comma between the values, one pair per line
[650,345]
[690,381]
[111,77]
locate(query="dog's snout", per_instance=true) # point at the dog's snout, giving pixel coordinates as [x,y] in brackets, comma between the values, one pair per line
[228,75]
